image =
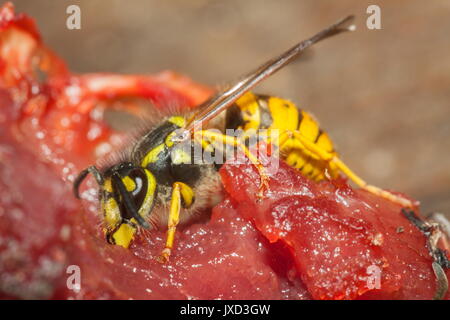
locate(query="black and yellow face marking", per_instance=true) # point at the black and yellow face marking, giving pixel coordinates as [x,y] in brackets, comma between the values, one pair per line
[127,195]
[137,185]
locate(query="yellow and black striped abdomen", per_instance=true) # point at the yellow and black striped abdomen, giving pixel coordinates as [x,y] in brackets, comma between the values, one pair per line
[266,112]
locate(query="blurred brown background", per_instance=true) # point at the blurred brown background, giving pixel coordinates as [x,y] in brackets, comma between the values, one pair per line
[383,95]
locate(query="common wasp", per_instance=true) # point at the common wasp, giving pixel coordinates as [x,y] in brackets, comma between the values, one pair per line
[158,184]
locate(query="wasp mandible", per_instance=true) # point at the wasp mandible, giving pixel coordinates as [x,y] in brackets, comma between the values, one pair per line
[156,174]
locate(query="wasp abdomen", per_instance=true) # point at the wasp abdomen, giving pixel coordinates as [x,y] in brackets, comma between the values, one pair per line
[254,112]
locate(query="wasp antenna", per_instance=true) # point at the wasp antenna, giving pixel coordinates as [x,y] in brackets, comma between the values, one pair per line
[128,202]
[82,175]
[231,93]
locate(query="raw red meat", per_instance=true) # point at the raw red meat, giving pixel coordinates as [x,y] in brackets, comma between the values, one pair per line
[302,242]
[337,235]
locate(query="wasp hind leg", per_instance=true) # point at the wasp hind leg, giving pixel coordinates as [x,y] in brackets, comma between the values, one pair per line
[182,196]
[334,160]
[232,141]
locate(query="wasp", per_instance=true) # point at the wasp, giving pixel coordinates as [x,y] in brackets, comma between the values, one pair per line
[158,184]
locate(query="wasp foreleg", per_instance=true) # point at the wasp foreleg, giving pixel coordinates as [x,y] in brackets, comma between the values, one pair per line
[182,196]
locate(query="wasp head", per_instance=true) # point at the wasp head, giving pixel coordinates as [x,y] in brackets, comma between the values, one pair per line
[127,194]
